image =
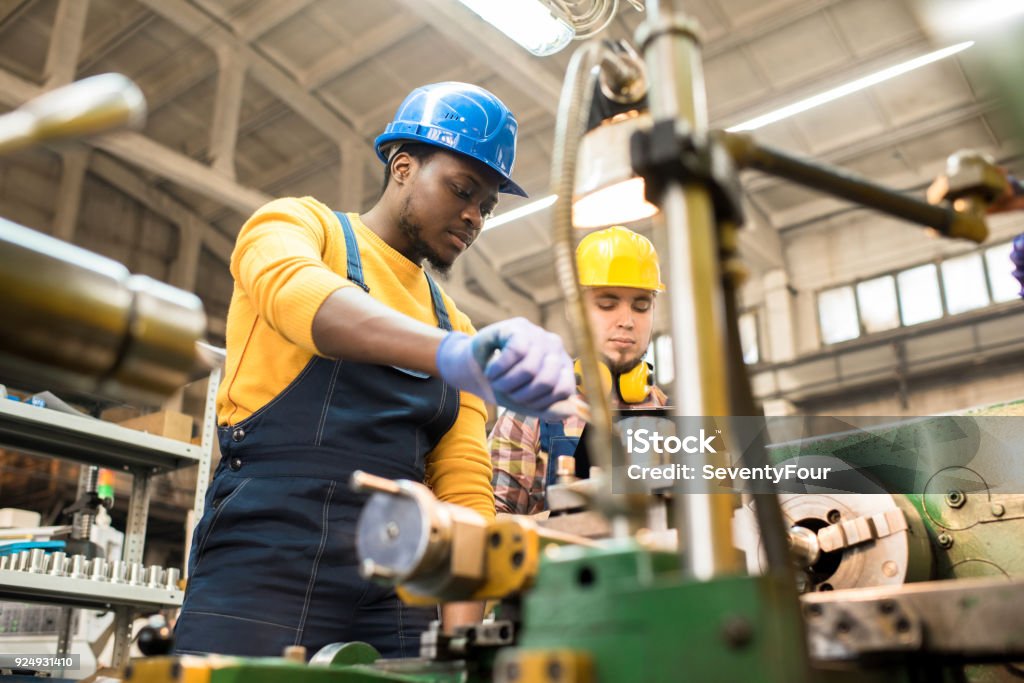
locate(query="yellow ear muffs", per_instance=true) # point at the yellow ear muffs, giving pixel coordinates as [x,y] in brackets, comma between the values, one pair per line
[606,375]
[633,386]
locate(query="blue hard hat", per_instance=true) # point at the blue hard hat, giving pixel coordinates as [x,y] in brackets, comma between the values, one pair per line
[461,117]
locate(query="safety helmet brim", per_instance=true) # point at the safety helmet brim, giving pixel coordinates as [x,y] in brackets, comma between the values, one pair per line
[386,141]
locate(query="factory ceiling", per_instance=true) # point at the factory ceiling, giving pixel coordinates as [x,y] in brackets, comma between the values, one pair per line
[251,99]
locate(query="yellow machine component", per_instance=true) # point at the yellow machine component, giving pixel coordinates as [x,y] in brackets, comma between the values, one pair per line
[437,552]
[544,666]
[511,557]
[186,669]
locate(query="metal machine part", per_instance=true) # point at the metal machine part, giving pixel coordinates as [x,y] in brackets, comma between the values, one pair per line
[92,105]
[846,540]
[439,552]
[970,619]
[971,182]
[964,220]
[80,321]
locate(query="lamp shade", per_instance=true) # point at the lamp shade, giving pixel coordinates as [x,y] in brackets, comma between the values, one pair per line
[607,192]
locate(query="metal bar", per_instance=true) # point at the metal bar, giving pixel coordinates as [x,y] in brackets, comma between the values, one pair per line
[122,636]
[138,510]
[841,183]
[207,441]
[672,55]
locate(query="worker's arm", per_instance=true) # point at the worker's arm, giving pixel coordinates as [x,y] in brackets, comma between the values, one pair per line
[353,325]
[514,445]
[279,262]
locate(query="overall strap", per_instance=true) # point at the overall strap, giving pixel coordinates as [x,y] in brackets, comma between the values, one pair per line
[355,265]
[439,308]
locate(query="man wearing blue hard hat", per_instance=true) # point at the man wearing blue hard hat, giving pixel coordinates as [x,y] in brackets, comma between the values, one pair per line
[343,354]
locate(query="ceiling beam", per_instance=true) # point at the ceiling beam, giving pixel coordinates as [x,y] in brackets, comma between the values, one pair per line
[226,111]
[11,9]
[124,179]
[65,42]
[195,22]
[486,276]
[151,156]
[254,22]
[361,49]
[74,162]
[126,20]
[476,37]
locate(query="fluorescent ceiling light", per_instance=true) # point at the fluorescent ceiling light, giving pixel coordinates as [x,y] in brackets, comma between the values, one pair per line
[524,210]
[528,22]
[963,18]
[849,88]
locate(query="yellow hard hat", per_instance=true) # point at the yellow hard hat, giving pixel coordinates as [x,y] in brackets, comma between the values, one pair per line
[618,257]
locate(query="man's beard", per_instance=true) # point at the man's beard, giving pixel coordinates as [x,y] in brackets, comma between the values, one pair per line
[621,368]
[420,249]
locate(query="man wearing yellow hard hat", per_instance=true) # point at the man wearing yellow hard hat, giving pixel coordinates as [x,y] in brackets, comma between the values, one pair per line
[619,271]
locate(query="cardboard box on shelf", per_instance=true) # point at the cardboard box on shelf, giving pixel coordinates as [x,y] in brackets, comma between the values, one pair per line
[165,423]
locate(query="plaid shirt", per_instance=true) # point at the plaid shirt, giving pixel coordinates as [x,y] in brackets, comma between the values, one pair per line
[520,466]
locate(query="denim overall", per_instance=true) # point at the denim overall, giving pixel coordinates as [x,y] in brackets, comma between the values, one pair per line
[555,442]
[273,560]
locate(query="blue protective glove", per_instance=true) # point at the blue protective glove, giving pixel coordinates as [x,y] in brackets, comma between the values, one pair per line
[1017,256]
[512,363]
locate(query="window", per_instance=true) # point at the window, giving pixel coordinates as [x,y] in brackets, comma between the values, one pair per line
[748,338]
[1000,273]
[919,294]
[963,281]
[664,364]
[837,312]
[876,300]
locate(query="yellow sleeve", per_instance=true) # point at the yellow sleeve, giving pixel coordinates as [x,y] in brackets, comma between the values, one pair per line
[279,262]
[459,467]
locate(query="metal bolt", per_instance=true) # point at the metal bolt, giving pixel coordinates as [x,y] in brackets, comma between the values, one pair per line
[737,632]
[391,530]
[955,498]
[945,540]
[998,510]
[833,516]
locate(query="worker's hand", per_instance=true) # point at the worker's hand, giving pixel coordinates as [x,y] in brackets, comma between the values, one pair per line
[512,363]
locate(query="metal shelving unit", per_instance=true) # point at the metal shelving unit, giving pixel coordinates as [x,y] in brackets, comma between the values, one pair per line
[91,441]
[66,590]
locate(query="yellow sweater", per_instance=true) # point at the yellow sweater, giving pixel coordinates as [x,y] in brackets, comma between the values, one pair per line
[289,257]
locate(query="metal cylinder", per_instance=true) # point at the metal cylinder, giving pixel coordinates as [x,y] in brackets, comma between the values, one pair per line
[672,54]
[154,576]
[79,567]
[803,544]
[136,574]
[118,571]
[57,565]
[22,561]
[98,570]
[78,320]
[171,578]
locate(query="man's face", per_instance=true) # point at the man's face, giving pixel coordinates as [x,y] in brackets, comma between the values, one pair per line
[622,318]
[445,201]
